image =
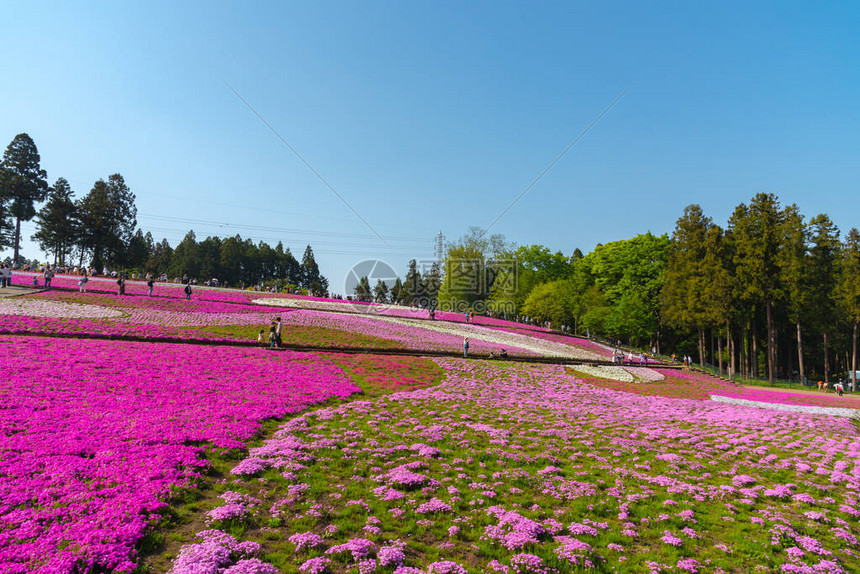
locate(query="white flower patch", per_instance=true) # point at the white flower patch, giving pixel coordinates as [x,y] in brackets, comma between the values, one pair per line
[335,306]
[504,339]
[611,373]
[645,375]
[55,309]
[809,409]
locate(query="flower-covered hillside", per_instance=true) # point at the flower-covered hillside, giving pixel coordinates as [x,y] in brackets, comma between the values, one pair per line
[96,435]
[527,469]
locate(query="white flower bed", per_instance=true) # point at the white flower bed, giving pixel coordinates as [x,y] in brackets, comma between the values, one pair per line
[55,309]
[830,411]
[645,375]
[335,306]
[504,339]
[612,373]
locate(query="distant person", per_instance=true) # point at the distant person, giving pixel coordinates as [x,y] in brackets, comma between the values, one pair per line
[273,336]
[465,347]
[278,325]
[82,282]
[121,283]
[48,276]
[3,278]
[150,284]
[261,336]
[820,386]
[35,281]
[187,291]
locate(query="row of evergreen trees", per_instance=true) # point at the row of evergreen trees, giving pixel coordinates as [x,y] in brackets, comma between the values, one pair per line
[770,294]
[100,229]
[769,284]
[415,290]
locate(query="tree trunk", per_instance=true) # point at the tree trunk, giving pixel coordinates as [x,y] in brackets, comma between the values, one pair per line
[720,353]
[826,360]
[800,372]
[702,347]
[771,342]
[713,352]
[854,356]
[731,345]
[17,239]
[753,352]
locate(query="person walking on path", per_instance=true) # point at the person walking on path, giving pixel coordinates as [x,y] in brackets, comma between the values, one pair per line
[121,283]
[149,284]
[48,276]
[465,347]
[273,336]
[83,282]
[188,291]
[278,331]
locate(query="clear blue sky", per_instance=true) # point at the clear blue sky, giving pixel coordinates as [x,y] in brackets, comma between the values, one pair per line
[429,116]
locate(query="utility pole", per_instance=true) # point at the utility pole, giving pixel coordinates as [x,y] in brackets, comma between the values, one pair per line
[439,248]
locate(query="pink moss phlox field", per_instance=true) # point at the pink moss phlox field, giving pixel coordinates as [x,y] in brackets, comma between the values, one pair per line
[161,289]
[533,470]
[95,435]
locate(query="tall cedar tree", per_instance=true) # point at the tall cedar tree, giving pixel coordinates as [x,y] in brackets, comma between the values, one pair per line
[380,291]
[849,288]
[23,183]
[311,277]
[757,233]
[795,270]
[682,297]
[413,292]
[108,218]
[57,222]
[717,294]
[824,258]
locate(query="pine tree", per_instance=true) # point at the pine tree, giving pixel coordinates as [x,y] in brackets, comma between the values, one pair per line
[22,183]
